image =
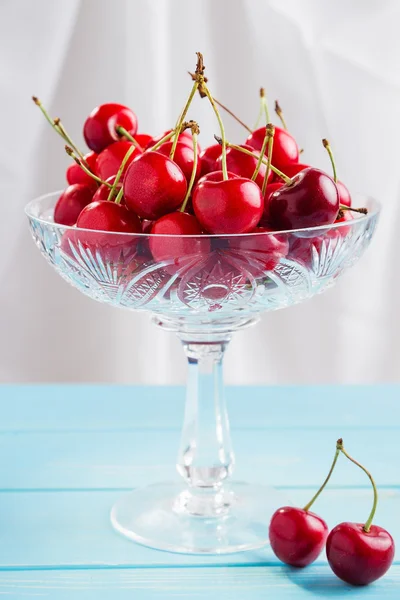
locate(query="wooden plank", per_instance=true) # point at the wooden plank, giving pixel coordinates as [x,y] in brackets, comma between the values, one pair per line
[72,530]
[257,583]
[91,407]
[279,456]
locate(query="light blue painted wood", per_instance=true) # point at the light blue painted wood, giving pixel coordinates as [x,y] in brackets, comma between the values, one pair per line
[278,456]
[83,444]
[256,583]
[72,529]
[84,407]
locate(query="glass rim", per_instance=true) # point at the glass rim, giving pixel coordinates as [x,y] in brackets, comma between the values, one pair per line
[373,210]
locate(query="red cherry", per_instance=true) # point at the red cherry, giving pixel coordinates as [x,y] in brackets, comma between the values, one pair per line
[108,216]
[103,191]
[308,249]
[154,185]
[311,199]
[285,149]
[143,139]
[185,138]
[231,206]
[209,157]
[216,176]
[357,557]
[344,194]
[99,128]
[184,158]
[347,216]
[147,225]
[109,160]
[244,164]
[297,536]
[267,249]
[181,248]
[75,174]
[71,202]
[270,189]
[291,169]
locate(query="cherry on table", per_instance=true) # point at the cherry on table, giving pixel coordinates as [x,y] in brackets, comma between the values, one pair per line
[154,185]
[99,128]
[183,157]
[244,165]
[109,160]
[75,174]
[309,200]
[228,206]
[285,148]
[71,202]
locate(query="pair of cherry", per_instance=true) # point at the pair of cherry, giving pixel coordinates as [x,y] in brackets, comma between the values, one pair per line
[357,553]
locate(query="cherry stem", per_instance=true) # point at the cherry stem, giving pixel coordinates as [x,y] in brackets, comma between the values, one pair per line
[337,452]
[363,211]
[270,147]
[222,131]
[260,112]
[79,162]
[195,132]
[279,112]
[226,109]
[285,178]
[368,523]
[59,128]
[264,104]
[119,172]
[119,196]
[329,150]
[166,138]
[262,151]
[124,133]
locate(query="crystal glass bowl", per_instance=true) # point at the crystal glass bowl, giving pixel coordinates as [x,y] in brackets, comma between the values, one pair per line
[203,289]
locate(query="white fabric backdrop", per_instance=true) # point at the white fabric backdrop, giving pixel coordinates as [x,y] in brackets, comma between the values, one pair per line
[334,67]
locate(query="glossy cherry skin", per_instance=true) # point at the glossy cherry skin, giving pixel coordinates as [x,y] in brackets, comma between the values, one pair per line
[357,557]
[269,190]
[231,206]
[244,165]
[154,185]
[109,161]
[75,174]
[71,202]
[312,199]
[267,249]
[99,128]
[291,169]
[143,139]
[216,176]
[184,158]
[344,194]
[103,191]
[209,156]
[181,248]
[297,537]
[285,149]
[108,216]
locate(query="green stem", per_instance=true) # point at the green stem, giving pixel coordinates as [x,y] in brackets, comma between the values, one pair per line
[181,118]
[264,104]
[69,141]
[166,138]
[262,151]
[368,523]
[329,150]
[119,196]
[268,169]
[285,178]
[313,499]
[194,170]
[226,109]
[120,171]
[279,112]
[125,133]
[78,161]
[222,130]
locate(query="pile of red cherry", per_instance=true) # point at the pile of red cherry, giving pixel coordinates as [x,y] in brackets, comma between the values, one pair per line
[357,553]
[132,182]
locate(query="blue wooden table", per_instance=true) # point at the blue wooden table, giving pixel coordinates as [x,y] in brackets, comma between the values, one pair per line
[68,452]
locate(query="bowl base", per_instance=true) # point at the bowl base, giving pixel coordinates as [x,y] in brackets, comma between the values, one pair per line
[156,516]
